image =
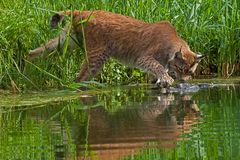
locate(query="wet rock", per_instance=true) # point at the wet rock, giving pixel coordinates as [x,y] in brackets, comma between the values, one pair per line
[173,90]
[187,87]
[183,85]
[203,85]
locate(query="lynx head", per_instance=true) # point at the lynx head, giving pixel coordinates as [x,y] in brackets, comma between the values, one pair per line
[183,64]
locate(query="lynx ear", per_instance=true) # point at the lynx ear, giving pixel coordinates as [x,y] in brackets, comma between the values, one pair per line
[56,19]
[179,55]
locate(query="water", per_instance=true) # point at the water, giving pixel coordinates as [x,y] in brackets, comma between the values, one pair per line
[122,123]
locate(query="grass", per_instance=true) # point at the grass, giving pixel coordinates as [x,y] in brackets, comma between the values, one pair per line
[210,27]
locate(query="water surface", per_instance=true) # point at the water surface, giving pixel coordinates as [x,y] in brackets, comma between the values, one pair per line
[122,123]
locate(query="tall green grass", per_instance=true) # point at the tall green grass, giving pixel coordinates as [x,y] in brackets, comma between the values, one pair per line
[211,27]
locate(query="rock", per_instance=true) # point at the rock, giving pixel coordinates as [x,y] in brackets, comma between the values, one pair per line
[193,88]
[187,87]
[173,90]
[203,85]
[183,85]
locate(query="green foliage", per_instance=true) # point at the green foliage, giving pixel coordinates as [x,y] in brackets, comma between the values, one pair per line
[210,27]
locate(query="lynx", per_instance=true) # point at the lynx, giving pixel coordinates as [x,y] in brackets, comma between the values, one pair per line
[154,47]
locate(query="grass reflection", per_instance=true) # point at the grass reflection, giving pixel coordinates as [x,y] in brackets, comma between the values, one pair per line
[127,123]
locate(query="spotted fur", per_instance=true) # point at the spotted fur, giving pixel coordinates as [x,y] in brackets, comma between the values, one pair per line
[153,47]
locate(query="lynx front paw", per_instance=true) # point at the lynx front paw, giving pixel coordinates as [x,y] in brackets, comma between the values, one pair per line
[164,81]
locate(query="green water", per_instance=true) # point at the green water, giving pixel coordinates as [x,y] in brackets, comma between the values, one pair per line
[122,123]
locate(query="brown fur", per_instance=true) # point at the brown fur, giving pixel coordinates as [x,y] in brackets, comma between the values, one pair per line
[153,47]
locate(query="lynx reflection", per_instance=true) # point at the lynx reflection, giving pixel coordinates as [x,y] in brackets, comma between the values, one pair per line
[159,122]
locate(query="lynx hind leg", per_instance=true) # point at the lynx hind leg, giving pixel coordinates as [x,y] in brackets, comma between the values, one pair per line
[151,65]
[96,60]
